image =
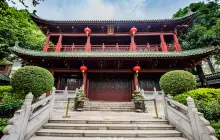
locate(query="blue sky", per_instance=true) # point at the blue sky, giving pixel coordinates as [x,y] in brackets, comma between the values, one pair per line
[107,9]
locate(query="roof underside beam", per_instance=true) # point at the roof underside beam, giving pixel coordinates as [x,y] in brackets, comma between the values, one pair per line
[116,34]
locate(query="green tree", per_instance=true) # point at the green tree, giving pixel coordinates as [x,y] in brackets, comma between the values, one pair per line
[205,28]
[17,25]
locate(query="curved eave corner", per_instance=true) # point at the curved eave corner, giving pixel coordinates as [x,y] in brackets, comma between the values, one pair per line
[27,52]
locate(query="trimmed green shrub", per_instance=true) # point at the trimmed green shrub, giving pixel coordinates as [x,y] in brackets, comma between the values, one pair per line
[4,90]
[7,89]
[211,110]
[177,82]
[11,103]
[200,94]
[216,126]
[3,124]
[32,79]
[208,102]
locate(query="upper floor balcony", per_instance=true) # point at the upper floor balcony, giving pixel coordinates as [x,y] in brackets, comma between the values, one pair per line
[111,48]
[154,42]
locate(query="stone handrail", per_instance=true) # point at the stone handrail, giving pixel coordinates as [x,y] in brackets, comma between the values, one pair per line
[188,120]
[29,118]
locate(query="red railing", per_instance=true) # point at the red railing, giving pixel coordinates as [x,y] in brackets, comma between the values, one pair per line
[111,48]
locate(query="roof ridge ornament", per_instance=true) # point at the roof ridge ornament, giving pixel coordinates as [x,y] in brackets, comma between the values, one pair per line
[34,12]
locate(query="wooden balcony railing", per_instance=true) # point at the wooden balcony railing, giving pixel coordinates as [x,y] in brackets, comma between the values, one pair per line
[111,48]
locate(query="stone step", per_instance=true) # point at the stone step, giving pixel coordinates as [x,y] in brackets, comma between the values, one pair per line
[101,138]
[108,133]
[110,103]
[109,126]
[116,106]
[107,121]
[110,109]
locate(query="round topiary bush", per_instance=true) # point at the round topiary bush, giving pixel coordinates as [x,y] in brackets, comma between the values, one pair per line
[32,79]
[177,82]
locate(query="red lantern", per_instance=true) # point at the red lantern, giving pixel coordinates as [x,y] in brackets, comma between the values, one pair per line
[133,30]
[137,69]
[87,30]
[83,69]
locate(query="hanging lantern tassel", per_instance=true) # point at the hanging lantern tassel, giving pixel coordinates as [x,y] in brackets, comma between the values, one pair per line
[137,72]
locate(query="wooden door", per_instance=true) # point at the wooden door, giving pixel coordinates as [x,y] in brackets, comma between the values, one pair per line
[110,87]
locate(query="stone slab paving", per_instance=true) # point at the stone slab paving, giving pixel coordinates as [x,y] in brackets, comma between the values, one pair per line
[99,115]
[100,138]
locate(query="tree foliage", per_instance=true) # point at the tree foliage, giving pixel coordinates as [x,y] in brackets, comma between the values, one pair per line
[17,25]
[205,28]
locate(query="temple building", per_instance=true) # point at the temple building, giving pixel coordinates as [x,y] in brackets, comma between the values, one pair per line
[112,57]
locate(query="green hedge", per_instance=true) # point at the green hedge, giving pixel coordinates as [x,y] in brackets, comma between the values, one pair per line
[7,89]
[216,126]
[208,102]
[3,123]
[200,94]
[11,103]
[4,90]
[32,79]
[177,82]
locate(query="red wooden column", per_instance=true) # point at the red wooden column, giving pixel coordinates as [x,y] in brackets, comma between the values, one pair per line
[176,42]
[132,44]
[88,44]
[163,43]
[103,47]
[148,47]
[46,46]
[59,44]
[135,80]
[84,82]
[116,47]
[73,47]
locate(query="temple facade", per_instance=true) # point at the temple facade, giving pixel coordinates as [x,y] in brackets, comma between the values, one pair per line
[112,57]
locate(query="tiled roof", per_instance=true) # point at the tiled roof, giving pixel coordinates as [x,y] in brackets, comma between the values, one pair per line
[110,21]
[187,53]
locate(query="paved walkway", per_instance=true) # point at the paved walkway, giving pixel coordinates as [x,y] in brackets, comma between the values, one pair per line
[150,114]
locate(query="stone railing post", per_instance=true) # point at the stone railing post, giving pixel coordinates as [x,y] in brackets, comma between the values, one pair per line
[165,105]
[27,107]
[52,101]
[191,110]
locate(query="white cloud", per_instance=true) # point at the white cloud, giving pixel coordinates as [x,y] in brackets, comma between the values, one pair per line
[108,10]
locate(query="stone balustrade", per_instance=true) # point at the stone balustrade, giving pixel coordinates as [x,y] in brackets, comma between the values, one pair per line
[188,120]
[29,118]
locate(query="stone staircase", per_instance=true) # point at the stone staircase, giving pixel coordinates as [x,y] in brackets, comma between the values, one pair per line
[107,121]
[107,127]
[109,106]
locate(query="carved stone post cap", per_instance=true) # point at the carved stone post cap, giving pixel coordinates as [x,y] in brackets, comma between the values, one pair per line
[16,43]
[190,102]
[29,98]
[190,99]
[53,88]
